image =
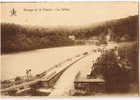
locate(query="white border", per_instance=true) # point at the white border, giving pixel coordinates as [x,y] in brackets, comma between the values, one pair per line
[75,98]
[58,0]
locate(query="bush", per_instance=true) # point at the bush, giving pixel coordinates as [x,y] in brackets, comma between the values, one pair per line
[118,74]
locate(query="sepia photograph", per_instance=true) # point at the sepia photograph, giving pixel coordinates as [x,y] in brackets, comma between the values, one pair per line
[69,49]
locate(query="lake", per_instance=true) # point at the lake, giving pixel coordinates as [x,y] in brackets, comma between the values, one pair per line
[15,64]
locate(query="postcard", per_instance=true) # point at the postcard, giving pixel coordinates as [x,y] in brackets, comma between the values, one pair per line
[69,49]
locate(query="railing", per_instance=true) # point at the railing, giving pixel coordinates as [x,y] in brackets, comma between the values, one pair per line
[40,76]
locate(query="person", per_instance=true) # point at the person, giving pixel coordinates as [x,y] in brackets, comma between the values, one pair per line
[28,73]
[116,52]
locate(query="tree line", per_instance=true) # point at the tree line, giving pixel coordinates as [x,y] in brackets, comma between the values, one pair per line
[16,37]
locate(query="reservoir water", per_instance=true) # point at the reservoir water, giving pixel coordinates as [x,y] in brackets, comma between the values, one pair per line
[13,65]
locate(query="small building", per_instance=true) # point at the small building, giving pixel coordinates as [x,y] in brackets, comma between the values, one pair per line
[72,37]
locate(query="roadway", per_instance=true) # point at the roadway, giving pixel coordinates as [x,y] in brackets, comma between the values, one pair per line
[65,85]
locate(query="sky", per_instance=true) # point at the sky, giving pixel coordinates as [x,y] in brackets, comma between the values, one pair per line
[66,13]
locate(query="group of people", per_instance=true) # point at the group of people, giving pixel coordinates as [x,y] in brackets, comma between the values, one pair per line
[28,73]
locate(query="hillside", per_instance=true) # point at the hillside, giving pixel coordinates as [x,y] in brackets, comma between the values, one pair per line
[20,38]
[120,27]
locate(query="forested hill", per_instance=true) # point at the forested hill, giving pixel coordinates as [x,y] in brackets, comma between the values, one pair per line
[120,27]
[20,38]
